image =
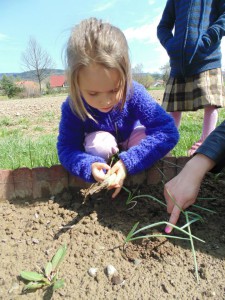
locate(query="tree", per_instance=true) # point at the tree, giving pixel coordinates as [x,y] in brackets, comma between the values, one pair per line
[166,72]
[141,77]
[9,86]
[37,60]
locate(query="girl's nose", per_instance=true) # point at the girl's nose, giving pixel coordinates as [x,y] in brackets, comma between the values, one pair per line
[108,100]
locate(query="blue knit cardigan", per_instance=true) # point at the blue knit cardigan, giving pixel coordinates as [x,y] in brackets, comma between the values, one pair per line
[194,45]
[161,132]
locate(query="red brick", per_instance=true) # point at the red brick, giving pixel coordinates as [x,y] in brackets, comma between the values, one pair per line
[136,179]
[169,168]
[154,174]
[181,162]
[41,183]
[23,183]
[59,179]
[77,182]
[7,191]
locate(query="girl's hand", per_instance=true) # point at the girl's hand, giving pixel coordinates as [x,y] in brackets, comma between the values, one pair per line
[97,170]
[120,170]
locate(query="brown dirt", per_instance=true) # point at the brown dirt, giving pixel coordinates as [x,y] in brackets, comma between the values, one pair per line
[158,268]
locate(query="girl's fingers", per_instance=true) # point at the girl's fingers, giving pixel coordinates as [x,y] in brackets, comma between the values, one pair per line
[117,190]
[117,183]
[103,166]
[98,170]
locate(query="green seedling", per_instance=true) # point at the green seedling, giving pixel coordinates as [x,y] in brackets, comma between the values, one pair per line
[190,217]
[49,276]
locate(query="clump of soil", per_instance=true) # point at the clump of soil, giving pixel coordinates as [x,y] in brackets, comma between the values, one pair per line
[94,232]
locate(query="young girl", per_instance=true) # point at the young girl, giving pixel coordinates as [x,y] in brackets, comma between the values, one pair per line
[106,112]
[195,58]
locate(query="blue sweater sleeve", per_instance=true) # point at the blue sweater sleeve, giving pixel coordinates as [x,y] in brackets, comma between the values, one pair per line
[70,145]
[161,133]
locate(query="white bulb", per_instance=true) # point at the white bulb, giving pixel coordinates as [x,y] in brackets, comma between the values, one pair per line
[110,270]
[92,272]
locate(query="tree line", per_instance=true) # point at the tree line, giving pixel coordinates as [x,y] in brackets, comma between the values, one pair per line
[36,60]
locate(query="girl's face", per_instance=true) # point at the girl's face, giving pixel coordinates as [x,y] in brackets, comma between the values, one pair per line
[100,86]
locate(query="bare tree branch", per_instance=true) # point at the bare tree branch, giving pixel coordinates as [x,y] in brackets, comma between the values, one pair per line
[37,60]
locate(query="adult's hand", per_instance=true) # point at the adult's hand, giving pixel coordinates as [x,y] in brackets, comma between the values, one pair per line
[182,191]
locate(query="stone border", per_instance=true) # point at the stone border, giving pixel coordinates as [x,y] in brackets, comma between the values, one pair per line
[43,183]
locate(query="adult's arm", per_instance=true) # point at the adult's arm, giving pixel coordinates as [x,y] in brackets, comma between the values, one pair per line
[184,188]
[214,147]
[182,191]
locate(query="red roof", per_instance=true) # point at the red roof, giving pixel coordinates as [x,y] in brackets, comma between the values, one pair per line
[57,81]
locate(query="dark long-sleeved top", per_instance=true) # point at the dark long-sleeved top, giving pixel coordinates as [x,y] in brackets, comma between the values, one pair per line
[214,147]
[194,45]
[161,133]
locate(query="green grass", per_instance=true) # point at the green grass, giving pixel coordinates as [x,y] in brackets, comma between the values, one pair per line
[17,151]
[23,145]
[2,98]
[159,88]
[190,130]
[7,121]
[38,128]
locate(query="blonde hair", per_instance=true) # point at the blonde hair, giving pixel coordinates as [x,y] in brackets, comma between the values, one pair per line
[95,41]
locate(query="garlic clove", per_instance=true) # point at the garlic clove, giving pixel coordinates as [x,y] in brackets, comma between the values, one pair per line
[111,270]
[92,272]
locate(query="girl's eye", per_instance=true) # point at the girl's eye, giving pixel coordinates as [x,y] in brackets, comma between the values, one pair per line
[93,94]
[115,91]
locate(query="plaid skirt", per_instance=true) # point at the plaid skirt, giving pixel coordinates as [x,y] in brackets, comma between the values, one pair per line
[195,92]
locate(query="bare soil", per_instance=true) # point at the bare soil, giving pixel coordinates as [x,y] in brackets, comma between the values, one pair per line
[94,232]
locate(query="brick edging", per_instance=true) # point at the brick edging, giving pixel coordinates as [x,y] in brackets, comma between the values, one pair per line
[42,182]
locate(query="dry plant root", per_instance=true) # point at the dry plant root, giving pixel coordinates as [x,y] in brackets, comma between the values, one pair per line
[98,186]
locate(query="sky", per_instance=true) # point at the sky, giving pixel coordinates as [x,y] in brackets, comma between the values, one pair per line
[50,23]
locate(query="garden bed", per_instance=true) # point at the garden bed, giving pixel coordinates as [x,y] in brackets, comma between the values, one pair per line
[42,209]
[94,232]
